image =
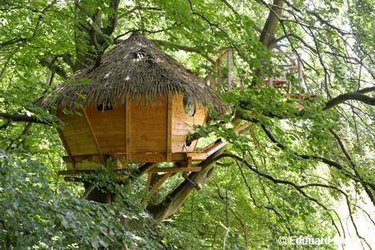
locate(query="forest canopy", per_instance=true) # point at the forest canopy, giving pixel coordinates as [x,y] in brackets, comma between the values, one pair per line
[296,78]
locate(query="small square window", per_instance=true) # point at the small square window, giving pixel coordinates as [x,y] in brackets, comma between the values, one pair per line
[104,107]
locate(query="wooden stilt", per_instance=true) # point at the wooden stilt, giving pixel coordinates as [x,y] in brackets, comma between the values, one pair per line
[159,183]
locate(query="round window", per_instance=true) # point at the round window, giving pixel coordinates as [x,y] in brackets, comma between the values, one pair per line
[189,106]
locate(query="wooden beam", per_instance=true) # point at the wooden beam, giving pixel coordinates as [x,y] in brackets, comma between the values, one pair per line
[149,178]
[127,128]
[93,134]
[208,150]
[142,169]
[174,169]
[159,183]
[214,147]
[79,158]
[155,187]
[150,157]
[169,127]
[189,163]
[157,157]
[197,156]
[173,201]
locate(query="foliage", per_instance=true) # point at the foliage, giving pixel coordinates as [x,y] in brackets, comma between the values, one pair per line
[304,150]
[37,213]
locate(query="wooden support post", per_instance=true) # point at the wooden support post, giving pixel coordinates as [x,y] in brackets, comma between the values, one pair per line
[154,187]
[159,183]
[127,128]
[93,134]
[169,127]
[188,166]
[213,148]
[149,178]
[173,201]
[189,163]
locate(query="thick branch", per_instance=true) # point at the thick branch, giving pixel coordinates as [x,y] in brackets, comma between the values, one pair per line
[67,58]
[331,163]
[357,96]
[328,162]
[51,65]
[112,18]
[22,118]
[365,186]
[269,29]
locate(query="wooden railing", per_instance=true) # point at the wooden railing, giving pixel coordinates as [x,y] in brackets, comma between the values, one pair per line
[226,59]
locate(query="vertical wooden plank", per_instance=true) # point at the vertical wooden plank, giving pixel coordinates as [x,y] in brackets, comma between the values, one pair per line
[92,133]
[189,162]
[127,128]
[112,141]
[169,126]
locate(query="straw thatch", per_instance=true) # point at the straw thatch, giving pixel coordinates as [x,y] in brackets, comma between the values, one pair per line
[136,69]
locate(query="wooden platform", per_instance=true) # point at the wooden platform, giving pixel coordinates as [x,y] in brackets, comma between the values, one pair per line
[120,161]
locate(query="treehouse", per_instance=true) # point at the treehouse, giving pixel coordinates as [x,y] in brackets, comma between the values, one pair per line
[137,105]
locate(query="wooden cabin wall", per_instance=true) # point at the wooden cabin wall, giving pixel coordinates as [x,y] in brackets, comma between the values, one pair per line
[148,127]
[145,132]
[182,124]
[109,128]
[76,134]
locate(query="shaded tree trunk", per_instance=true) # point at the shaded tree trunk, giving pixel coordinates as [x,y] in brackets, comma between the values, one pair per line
[93,31]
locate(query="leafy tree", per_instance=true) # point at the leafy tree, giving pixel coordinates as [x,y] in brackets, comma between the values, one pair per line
[299,150]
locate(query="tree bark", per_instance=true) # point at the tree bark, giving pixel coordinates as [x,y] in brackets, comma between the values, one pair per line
[268,32]
[22,118]
[91,38]
[357,96]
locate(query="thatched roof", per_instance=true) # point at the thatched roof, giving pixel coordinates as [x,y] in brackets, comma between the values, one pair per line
[136,69]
